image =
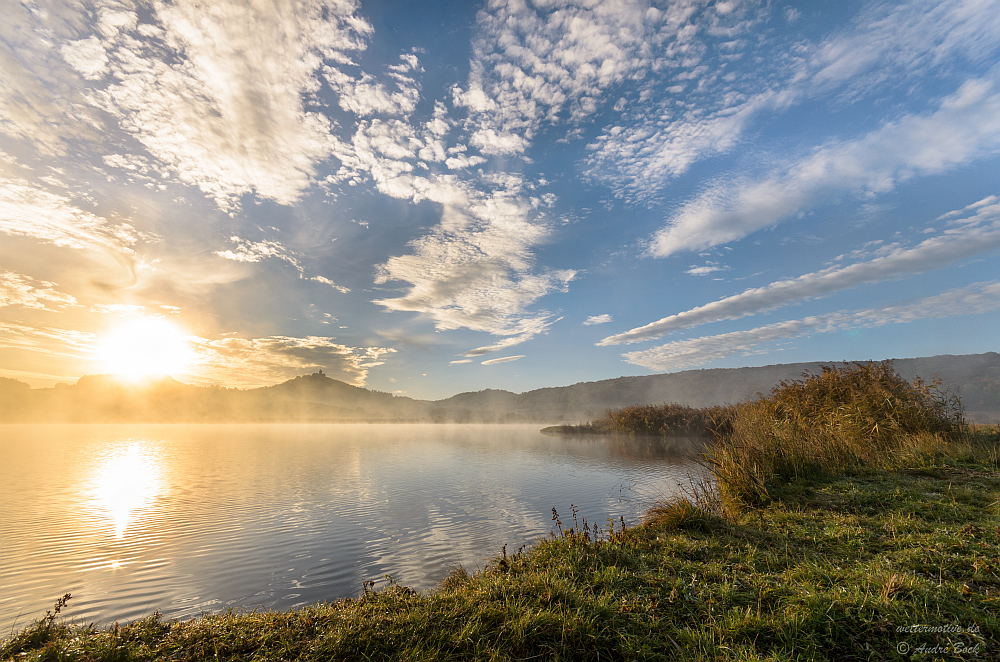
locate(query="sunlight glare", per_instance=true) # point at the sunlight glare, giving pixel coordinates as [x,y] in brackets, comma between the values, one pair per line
[145,348]
[126,482]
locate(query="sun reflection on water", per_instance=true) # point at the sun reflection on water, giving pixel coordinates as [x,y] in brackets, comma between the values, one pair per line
[125,482]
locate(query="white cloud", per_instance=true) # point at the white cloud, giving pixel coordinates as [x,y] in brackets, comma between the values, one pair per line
[668,128]
[40,98]
[475,269]
[492,142]
[503,344]
[30,211]
[135,167]
[364,96]
[504,359]
[87,56]
[974,299]
[972,231]
[462,161]
[890,42]
[705,269]
[257,251]
[47,341]
[965,127]
[20,290]
[597,319]
[554,61]
[216,90]
[263,361]
[327,281]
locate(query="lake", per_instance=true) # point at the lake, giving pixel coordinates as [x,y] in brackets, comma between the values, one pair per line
[187,519]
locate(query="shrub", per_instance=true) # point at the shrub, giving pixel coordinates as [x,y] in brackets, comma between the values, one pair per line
[856,416]
[663,420]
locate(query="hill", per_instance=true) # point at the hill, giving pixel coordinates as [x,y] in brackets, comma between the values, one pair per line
[974,377]
[317,398]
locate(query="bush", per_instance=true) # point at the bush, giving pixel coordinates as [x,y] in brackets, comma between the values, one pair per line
[668,420]
[860,415]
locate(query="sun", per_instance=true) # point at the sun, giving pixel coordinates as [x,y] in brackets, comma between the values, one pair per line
[143,348]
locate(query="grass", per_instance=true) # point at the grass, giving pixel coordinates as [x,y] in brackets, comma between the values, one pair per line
[894,555]
[667,420]
[860,417]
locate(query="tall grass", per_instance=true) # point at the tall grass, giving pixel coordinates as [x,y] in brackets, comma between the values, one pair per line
[663,420]
[858,416]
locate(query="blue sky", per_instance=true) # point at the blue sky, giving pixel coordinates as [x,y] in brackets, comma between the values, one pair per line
[429,198]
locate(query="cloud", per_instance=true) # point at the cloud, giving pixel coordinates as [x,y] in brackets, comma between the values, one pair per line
[30,211]
[554,61]
[20,290]
[972,231]
[503,344]
[40,97]
[264,361]
[327,281]
[597,319]
[893,42]
[475,269]
[47,341]
[716,97]
[122,309]
[504,359]
[216,91]
[364,96]
[257,251]
[965,127]
[704,270]
[87,56]
[977,298]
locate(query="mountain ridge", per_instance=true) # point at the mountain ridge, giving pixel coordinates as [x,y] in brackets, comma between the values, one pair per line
[319,398]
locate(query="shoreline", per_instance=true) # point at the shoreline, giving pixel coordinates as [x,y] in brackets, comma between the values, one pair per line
[829,570]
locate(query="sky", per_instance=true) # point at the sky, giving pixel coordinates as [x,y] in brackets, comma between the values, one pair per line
[437,197]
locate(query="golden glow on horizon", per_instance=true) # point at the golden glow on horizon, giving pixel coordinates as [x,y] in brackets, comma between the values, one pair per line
[125,482]
[146,347]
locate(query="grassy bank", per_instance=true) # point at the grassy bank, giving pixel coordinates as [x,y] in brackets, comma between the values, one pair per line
[893,554]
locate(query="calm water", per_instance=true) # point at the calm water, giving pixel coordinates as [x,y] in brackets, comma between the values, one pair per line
[190,518]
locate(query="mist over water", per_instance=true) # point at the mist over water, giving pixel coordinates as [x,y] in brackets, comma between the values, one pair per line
[189,518]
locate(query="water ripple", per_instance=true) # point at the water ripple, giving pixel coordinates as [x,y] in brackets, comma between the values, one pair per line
[186,519]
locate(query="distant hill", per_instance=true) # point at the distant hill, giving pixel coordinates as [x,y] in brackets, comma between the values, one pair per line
[105,398]
[974,377]
[317,398]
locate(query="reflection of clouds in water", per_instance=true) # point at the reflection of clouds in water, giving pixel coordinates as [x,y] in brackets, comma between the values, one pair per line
[127,480]
[451,531]
[283,516]
[493,488]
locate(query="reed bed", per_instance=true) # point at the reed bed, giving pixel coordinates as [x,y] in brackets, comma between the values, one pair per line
[857,417]
[668,420]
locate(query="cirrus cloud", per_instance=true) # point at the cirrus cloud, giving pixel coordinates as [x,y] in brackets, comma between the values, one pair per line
[977,298]
[503,359]
[972,231]
[964,127]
